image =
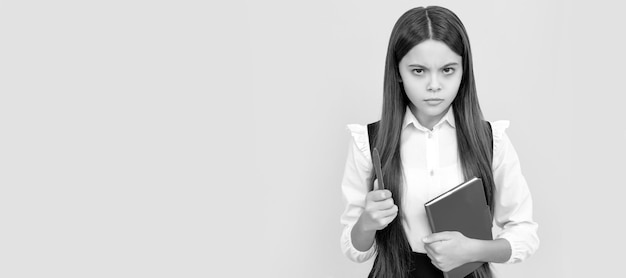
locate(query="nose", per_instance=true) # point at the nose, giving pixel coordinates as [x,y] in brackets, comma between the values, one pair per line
[434,85]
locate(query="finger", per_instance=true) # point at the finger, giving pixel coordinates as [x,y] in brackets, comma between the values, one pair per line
[380,205]
[436,237]
[433,249]
[430,255]
[381,215]
[436,264]
[376,187]
[391,212]
[379,195]
[383,205]
[429,250]
[387,220]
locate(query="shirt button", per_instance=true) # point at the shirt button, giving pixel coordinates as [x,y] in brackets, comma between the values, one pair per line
[430,135]
[432,172]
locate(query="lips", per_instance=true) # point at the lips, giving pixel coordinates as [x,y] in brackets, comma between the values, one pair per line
[433,101]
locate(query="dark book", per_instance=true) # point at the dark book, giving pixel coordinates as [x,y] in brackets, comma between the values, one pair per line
[463,209]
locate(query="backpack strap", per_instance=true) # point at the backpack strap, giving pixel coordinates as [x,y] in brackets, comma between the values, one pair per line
[490,135]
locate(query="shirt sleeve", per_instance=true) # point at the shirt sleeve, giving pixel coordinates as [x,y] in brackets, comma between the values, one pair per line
[513,211]
[354,187]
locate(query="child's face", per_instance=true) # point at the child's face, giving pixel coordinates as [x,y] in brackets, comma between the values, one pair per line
[431,74]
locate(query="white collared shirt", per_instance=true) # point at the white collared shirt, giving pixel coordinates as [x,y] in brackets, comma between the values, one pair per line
[431,166]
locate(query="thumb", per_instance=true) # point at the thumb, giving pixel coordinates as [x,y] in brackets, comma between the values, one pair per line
[436,237]
[376,185]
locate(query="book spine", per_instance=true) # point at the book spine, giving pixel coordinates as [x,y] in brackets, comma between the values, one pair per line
[431,221]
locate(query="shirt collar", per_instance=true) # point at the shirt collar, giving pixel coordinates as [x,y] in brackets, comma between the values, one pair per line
[409,118]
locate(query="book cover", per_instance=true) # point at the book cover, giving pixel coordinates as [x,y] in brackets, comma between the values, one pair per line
[463,209]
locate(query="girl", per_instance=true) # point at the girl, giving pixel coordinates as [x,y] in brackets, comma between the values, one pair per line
[431,137]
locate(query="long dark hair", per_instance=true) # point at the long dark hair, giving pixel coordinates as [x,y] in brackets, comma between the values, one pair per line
[474,145]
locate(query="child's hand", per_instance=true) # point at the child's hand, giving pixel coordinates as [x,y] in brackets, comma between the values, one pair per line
[380,209]
[448,250]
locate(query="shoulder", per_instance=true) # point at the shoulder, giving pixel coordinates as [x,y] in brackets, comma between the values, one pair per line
[498,129]
[360,138]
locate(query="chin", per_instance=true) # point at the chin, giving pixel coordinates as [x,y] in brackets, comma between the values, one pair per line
[434,111]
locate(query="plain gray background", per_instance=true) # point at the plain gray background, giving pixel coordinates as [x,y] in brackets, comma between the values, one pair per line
[204,139]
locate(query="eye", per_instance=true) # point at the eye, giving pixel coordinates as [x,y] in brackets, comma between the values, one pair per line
[418,71]
[448,70]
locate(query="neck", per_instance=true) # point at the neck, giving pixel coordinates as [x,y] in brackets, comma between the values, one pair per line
[428,121]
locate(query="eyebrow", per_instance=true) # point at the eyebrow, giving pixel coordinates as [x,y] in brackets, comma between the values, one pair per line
[446,65]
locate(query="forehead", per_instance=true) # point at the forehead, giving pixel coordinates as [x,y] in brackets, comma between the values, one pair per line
[431,53]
